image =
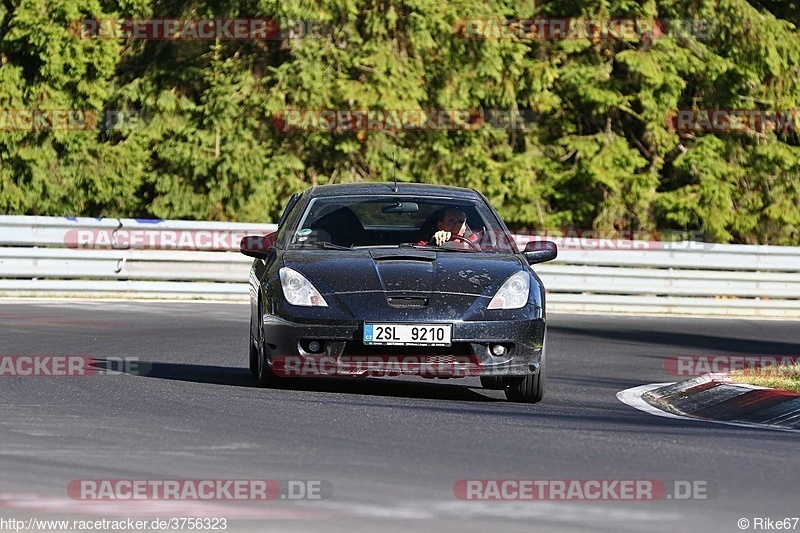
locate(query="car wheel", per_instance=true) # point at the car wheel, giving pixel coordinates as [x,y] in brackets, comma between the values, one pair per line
[527,389]
[253,357]
[253,343]
[263,372]
[493,382]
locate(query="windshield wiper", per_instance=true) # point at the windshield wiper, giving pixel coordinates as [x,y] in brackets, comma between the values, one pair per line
[330,246]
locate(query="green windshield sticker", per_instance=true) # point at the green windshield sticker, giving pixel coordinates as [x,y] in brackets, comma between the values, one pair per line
[303,232]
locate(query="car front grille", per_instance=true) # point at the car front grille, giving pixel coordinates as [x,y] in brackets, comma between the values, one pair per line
[405,302]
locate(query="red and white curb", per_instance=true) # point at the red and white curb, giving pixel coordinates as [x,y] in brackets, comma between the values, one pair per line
[715,398]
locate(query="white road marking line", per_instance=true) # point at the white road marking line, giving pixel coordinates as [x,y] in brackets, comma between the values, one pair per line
[570,512]
[564,512]
[161,509]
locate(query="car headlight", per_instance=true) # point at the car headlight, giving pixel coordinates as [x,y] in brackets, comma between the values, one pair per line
[514,292]
[299,291]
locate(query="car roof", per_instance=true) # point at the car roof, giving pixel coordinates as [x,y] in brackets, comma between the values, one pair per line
[365,188]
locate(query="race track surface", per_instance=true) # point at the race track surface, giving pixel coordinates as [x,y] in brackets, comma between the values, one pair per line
[391,451]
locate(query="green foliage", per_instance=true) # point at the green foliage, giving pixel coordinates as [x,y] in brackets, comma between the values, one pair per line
[600,154]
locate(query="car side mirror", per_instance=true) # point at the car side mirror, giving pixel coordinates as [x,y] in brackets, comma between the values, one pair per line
[258,246]
[540,251]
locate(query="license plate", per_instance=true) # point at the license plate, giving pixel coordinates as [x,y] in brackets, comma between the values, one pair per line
[413,334]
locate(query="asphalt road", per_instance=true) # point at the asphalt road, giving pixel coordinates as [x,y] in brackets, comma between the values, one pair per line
[390,450]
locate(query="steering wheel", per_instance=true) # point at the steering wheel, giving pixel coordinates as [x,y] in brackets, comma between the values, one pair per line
[459,238]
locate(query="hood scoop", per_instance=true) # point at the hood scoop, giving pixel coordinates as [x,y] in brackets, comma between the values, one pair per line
[395,255]
[405,273]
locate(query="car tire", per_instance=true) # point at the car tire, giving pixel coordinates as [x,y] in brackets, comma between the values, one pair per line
[530,388]
[493,382]
[254,348]
[266,378]
[253,357]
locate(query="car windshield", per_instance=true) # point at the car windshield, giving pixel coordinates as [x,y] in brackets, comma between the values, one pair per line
[391,221]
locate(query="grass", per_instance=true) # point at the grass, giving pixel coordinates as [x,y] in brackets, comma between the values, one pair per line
[784,377]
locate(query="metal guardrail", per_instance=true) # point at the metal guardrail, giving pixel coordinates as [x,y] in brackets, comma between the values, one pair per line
[124,258]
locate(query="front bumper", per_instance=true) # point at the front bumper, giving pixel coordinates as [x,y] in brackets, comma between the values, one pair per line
[288,347]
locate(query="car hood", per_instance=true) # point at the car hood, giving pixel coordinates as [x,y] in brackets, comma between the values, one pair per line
[403,271]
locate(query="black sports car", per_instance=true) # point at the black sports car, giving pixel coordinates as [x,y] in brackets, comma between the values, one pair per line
[369,279]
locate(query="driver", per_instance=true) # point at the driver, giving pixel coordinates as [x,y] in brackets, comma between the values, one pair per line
[454,222]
